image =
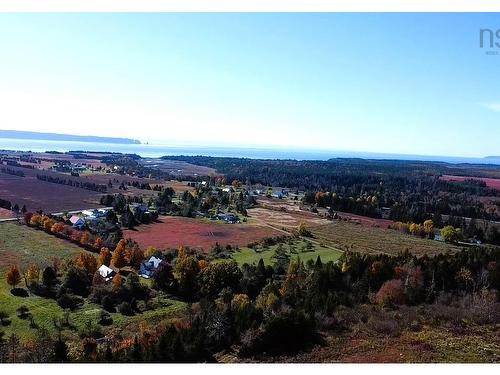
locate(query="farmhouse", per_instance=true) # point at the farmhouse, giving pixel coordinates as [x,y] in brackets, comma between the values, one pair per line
[77,221]
[228,218]
[106,272]
[149,266]
[141,207]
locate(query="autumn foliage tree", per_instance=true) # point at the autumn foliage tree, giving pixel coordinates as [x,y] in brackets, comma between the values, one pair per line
[13,276]
[98,243]
[118,259]
[87,262]
[105,256]
[390,293]
[32,274]
[57,228]
[117,281]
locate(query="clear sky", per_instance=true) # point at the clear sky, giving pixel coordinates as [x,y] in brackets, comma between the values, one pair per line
[402,83]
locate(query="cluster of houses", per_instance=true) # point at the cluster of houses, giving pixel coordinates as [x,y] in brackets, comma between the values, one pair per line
[147,269]
[88,216]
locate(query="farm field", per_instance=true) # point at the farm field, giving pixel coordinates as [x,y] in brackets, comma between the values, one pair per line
[5,214]
[46,196]
[301,249]
[22,246]
[286,213]
[493,183]
[172,232]
[355,237]
[178,168]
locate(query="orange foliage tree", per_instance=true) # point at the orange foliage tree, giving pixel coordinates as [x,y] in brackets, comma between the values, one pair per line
[118,259]
[105,256]
[98,243]
[57,228]
[85,238]
[117,281]
[87,262]
[13,276]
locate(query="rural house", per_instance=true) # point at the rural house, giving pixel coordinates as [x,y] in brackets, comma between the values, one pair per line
[149,266]
[77,222]
[106,272]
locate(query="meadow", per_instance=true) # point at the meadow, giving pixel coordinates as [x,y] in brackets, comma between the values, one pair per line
[372,240]
[295,248]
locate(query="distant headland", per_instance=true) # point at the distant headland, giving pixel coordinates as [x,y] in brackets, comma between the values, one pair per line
[15,134]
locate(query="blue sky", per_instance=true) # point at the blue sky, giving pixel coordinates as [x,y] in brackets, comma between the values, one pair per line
[401,83]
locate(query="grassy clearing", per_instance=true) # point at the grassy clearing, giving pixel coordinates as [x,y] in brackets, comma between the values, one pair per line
[24,246]
[296,248]
[349,236]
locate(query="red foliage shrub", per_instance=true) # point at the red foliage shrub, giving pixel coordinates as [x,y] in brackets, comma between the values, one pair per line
[390,293]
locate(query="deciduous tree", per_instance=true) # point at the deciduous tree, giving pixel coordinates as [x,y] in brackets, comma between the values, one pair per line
[13,276]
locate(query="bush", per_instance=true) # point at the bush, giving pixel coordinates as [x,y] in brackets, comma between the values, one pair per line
[4,319]
[20,292]
[390,293]
[23,312]
[104,318]
[125,309]
[107,304]
[69,301]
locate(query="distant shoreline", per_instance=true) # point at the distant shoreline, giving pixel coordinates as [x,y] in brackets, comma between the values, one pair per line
[28,135]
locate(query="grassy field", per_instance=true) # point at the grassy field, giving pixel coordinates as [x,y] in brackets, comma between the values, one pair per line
[349,236]
[23,246]
[298,248]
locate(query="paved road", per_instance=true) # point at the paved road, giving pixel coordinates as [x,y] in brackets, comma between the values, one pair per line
[9,219]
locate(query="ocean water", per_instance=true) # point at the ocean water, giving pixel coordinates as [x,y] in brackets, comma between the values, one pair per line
[157,150]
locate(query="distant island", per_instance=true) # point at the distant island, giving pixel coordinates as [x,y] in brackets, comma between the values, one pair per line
[15,134]
[492,157]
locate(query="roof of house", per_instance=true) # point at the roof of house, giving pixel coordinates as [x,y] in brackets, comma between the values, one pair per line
[156,261]
[75,219]
[105,271]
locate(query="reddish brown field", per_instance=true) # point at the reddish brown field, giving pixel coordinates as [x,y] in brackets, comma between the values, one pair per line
[5,214]
[493,183]
[172,232]
[46,196]
[285,213]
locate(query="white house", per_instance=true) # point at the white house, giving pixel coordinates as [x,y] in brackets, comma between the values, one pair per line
[106,272]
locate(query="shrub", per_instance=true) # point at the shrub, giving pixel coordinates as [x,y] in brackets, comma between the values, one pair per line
[390,293]
[23,312]
[125,308]
[104,318]
[107,304]
[69,301]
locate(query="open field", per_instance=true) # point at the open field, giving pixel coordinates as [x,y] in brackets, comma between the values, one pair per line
[493,183]
[5,214]
[286,213]
[171,232]
[430,345]
[22,246]
[300,249]
[178,168]
[46,196]
[349,236]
